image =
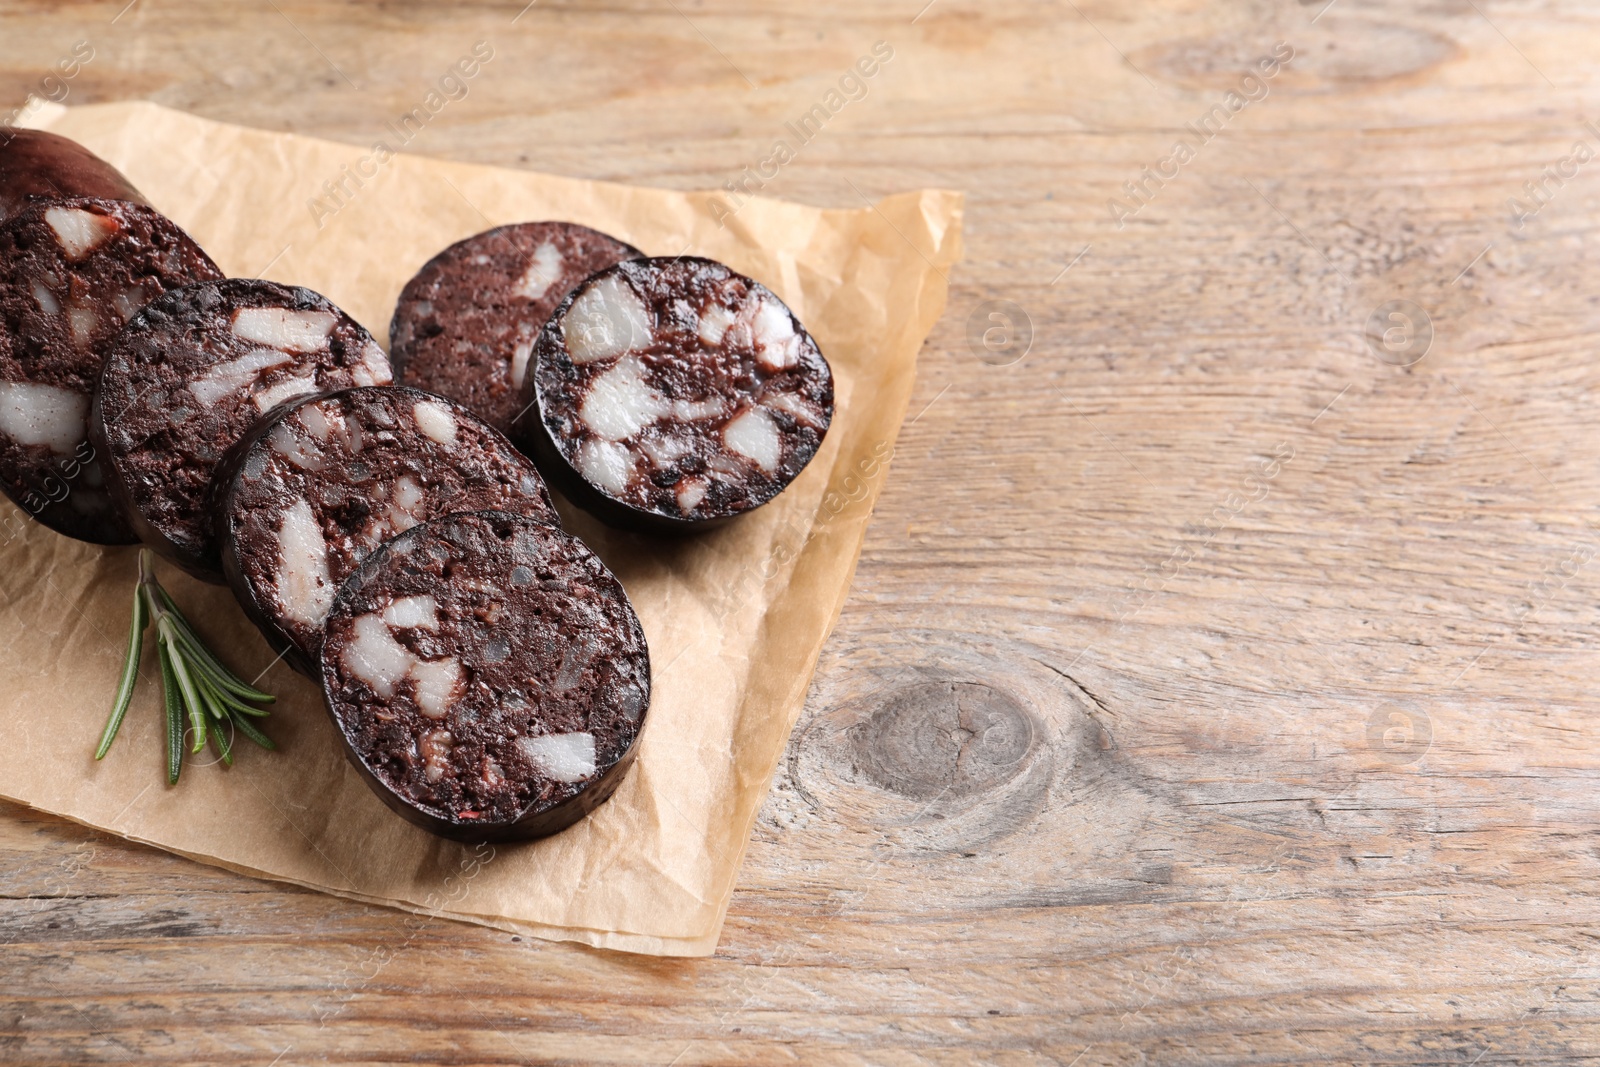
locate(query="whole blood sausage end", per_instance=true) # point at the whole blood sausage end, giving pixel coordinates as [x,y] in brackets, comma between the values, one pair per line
[72,273]
[38,165]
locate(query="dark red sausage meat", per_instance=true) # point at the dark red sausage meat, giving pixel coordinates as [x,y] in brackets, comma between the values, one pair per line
[71,273]
[672,393]
[488,676]
[35,164]
[465,325]
[188,378]
[312,490]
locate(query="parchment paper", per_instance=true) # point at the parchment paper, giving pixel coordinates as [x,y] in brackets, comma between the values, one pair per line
[735,618]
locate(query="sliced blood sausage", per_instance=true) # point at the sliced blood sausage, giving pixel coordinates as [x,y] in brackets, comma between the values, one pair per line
[39,165]
[314,488]
[488,676]
[465,325]
[674,393]
[72,272]
[189,376]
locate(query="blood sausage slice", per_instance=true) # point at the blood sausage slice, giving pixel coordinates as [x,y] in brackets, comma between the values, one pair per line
[674,393]
[488,676]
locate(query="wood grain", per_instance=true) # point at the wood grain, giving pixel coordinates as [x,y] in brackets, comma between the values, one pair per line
[1212,690]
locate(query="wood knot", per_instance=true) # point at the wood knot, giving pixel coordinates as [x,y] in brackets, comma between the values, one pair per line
[944,739]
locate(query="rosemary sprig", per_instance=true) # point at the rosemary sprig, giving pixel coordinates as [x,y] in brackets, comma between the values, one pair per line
[194,683]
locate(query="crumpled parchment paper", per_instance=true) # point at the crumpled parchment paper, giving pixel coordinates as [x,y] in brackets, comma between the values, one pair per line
[735,618]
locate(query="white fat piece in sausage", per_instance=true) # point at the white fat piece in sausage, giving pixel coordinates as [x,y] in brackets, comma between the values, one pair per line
[82,322]
[605,321]
[128,302]
[413,612]
[300,451]
[714,323]
[316,421]
[754,436]
[408,495]
[435,421]
[373,368]
[235,376]
[492,775]
[374,656]
[777,345]
[405,508]
[620,402]
[663,450]
[324,423]
[270,397]
[692,410]
[606,464]
[796,406]
[519,362]
[690,492]
[563,757]
[304,587]
[79,232]
[574,661]
[34,414]
[543,271]
[435,749]
[46,299]
[285,329]
[436,684]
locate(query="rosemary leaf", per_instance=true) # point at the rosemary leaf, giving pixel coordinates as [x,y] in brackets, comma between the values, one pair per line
[220,742]
[174,713]
[208,694]
[249,730]
[230,703]
[130,676]
[191,697]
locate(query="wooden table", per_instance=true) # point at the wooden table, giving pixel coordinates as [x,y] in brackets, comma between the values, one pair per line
[1217,679]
